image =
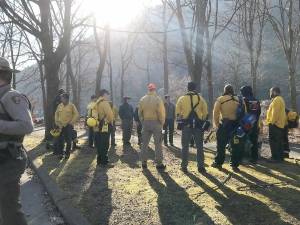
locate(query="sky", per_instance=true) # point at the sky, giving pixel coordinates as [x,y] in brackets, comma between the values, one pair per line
[117,13]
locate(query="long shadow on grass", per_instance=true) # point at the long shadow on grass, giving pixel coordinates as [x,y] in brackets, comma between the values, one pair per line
[177,153]
[174,204]
[239,209]
[287,198]
[130,157]
[267,171]
[96,201]
[288,169]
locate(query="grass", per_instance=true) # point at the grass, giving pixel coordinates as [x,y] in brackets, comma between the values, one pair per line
[262,194]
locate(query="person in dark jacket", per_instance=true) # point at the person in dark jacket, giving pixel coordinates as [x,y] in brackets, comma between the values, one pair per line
[126,116]
[139,125]
[170,120]
[252,107]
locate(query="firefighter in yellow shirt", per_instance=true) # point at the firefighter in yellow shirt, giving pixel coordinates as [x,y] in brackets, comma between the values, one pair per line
[191,110]
[103,113]
[91,136]
[226,122]
[276,119]
[66,116]
[152,115]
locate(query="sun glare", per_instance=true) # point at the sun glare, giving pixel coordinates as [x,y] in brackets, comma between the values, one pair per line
[116,13]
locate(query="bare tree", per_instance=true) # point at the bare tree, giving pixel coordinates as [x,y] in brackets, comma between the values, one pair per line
[284,17]
[194,56]
[127,53]
[102,53]
[253,20]
[51,23]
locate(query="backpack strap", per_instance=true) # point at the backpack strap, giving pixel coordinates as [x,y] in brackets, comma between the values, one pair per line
[231,99]
[195,106]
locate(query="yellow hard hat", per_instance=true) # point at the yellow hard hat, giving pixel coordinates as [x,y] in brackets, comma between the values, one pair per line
[292,115]
[91,122]
[55,132]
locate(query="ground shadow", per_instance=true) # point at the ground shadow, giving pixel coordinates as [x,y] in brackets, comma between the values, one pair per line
[177,153]
[130,157]
[239,209]
[174,204]
[287,198]
[96,201]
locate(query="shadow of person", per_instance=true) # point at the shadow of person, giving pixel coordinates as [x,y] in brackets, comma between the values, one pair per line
[239,209]
[285,168]
[287,198]
[174,204]
[177,153]
[130,157]
[294,180]
[97,198]
[113,157]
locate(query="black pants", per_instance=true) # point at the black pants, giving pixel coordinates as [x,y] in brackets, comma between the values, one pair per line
[169,128]
[65,137]
[10,207]
[253,137]
[112,128]
[139,128]
[276,139]
[286,145]
[102,145]
[127,130]
[91,137]
[225,135]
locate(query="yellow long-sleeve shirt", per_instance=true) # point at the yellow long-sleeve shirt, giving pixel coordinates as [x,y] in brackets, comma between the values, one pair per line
[102,110]
[276,112]
[225,108]
[151,107]
[89,108]
[116,113]
[66,114]
[183,106]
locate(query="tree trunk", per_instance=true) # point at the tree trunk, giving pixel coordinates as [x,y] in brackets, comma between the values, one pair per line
[165,51]
[102,56]
[293,89]
[69,72]
[52,84]
[122,80]
[186,47]
[44,96]
[110,72]
[253,71]
[210,87]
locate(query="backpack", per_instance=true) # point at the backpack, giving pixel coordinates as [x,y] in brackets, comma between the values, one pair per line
[253,106]
[292,119]
[193,121]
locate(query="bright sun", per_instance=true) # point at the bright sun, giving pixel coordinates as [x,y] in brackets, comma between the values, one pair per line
[117,13]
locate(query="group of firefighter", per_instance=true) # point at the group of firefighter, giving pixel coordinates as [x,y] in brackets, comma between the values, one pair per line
[236,120]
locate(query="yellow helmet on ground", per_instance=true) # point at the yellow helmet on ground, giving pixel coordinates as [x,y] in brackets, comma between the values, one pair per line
[92,122]
[55,132]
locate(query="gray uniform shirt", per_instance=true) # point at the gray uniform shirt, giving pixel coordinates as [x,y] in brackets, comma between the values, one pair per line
[17,106]
[170,111]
